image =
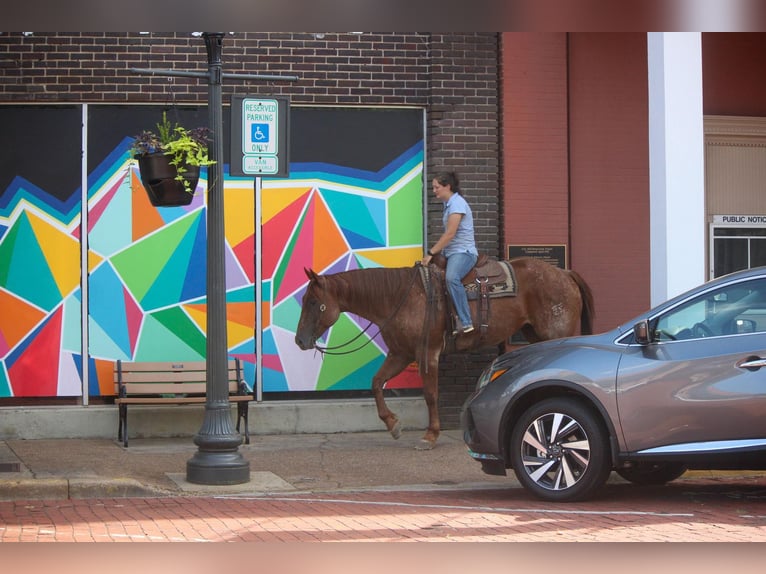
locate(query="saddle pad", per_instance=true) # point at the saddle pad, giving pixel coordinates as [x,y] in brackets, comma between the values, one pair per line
[505,287]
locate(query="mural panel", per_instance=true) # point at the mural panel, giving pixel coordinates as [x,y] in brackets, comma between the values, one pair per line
[354,199]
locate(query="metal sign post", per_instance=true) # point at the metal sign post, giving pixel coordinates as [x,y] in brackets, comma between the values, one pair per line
[218,460]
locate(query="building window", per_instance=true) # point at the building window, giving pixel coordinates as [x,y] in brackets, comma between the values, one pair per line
[737,247]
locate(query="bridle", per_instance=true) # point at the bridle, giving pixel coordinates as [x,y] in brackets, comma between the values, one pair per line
[334,349]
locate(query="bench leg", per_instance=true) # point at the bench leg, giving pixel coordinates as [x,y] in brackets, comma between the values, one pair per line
[242,412]
[122,430]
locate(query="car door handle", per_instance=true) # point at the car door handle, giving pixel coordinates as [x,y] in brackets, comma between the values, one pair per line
[753,363]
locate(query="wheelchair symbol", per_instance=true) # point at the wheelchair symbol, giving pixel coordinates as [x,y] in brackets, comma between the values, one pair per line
[259,133]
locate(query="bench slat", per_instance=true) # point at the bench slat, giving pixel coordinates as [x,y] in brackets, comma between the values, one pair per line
[176,400]
[165,388]
[163,366]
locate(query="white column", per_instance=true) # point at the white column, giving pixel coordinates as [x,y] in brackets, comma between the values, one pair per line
[676,163]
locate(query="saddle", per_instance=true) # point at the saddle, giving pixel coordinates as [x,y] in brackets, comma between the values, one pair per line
[489,278]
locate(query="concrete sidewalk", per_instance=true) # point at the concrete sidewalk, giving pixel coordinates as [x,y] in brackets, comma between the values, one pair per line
[97,468]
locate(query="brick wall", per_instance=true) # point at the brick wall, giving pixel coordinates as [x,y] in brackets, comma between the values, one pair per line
[609,174]
[535,132]
[454,76]
[463,136]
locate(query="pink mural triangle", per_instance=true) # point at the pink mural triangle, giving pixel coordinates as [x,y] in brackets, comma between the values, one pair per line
[95,212]
[133,316]
[319,244]
[4,347]
[35,372]
[278,230]
[292,276]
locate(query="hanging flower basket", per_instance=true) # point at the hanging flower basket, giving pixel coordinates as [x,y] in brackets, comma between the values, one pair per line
[160,180]
[169,161]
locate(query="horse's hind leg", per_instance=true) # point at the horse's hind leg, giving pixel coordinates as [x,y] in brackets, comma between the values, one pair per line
[392,366]
[431,396]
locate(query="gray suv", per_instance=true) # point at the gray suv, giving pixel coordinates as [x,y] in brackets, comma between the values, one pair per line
[679,387]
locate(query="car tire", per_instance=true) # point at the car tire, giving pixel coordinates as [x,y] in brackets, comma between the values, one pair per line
[652,473]
[570,467]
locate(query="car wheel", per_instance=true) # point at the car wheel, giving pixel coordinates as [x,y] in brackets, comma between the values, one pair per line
[652,473]
[559,451]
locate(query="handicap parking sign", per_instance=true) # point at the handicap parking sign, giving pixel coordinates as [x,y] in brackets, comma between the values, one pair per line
[259,133]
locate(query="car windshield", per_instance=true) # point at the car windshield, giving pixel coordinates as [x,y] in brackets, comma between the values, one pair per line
[730,310]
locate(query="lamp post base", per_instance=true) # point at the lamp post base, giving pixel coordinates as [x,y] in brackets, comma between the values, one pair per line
[218,460]
[217,468]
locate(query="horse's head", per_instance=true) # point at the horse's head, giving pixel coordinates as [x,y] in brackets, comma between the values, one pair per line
[319,311]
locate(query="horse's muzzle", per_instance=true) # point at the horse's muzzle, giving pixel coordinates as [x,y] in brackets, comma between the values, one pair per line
[304,343]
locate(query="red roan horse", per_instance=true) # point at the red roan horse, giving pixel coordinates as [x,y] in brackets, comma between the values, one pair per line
[549,303]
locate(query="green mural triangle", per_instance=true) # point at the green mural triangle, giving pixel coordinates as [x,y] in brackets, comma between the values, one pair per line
[337,367]
[286,314]
[141,264]
[28,275]
[361,379]
[71,339]
[405,214]
[168,286]
[245,294]
[158,343]
[7,247]
[5,388]
[178,322]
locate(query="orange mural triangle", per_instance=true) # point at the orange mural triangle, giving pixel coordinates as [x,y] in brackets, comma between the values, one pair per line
[242,313]
[329,243]
[17,319]
[145,218]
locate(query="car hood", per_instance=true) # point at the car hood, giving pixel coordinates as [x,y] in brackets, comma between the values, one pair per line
[580,358]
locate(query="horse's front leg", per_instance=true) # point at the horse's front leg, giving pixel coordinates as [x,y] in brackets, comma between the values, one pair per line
[431,396]
[392,366]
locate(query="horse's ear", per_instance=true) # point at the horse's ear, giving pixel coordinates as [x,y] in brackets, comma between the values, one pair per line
[310,274]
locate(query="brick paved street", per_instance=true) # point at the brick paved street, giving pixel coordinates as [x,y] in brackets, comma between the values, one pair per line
[700,510]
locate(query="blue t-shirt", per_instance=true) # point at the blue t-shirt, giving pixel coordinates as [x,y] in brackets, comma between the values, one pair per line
[463,240]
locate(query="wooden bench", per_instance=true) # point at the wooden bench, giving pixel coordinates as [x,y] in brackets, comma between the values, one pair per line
[180,382]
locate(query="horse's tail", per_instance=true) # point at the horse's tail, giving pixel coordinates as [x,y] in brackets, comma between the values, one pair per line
[588,310]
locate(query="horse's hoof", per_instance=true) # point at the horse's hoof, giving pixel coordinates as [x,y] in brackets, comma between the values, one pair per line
[424,445]
[396,430]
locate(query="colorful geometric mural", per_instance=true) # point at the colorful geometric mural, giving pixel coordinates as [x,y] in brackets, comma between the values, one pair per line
[146,272]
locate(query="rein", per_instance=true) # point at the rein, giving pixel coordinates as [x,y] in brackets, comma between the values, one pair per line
[333,350]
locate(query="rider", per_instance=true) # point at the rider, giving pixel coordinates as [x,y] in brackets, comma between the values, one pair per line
[457,243]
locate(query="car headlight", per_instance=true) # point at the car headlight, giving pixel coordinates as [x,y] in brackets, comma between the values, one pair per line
[491,373]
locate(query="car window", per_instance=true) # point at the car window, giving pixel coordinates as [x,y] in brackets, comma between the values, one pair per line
[730,310]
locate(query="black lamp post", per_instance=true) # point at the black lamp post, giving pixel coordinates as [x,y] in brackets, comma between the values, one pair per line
[217,460]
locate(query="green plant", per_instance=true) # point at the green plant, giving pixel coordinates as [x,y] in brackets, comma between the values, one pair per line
[184,147]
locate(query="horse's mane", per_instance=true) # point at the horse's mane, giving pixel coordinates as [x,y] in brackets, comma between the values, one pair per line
[374,285]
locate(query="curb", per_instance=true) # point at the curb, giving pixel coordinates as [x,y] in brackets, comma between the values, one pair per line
[77,488]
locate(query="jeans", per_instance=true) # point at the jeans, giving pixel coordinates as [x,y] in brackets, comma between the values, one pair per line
[458,265]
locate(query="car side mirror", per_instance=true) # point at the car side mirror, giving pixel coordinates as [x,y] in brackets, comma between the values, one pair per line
[641,332]
[744,326]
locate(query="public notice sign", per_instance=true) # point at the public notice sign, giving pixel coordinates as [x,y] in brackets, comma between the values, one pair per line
[259,134]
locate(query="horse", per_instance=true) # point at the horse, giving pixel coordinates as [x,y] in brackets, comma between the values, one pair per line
[416,325]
